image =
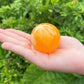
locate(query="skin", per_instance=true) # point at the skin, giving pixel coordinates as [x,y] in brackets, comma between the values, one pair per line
[68,57]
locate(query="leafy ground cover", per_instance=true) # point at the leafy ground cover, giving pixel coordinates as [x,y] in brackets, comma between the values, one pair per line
[24,15]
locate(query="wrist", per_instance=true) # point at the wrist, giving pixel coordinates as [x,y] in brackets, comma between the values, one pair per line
[80,69]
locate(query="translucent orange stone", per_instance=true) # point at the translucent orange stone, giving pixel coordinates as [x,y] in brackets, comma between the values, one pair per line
[45,37]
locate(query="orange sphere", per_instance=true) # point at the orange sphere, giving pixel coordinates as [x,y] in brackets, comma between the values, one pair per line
[45,37]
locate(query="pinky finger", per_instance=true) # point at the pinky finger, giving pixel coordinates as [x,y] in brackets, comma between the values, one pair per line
[20,50]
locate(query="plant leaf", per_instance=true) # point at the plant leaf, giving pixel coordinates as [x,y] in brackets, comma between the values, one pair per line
[35,75]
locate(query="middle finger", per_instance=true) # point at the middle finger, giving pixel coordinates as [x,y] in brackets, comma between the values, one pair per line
[5,38]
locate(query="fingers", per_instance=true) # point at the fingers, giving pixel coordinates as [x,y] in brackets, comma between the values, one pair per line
[26,53]
[15,36]
[20,33]
[12,43]
[7,36]
[4,38]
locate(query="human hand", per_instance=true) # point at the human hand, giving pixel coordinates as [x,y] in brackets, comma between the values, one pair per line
[68,57]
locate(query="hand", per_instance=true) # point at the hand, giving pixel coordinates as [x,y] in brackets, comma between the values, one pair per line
[68,57]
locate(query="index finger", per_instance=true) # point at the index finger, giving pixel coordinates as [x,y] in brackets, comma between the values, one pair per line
[20,33]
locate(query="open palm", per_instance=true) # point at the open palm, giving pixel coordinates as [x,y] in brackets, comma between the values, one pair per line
[66,58]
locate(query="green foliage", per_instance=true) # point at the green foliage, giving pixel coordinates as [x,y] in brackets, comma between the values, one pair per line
[5,2]
[67,15]
[39,76]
